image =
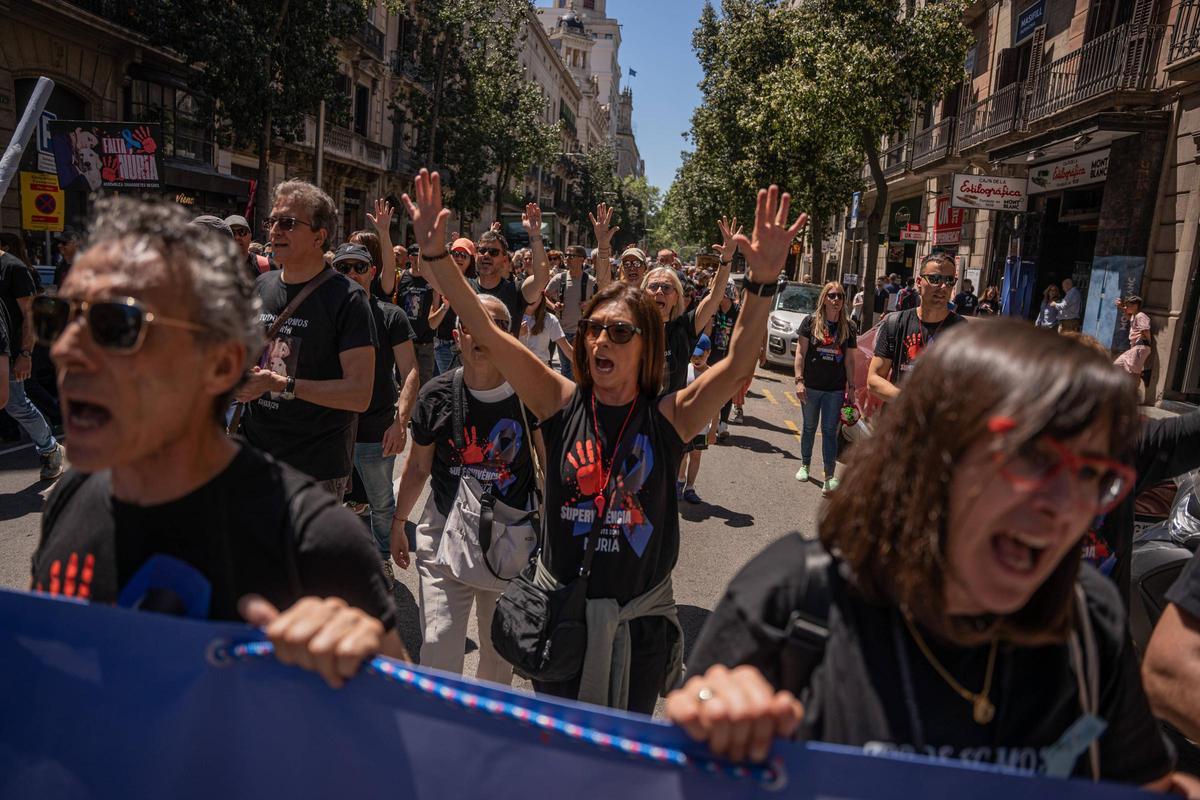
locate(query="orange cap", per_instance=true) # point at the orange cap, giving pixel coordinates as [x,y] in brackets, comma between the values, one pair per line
[464,244]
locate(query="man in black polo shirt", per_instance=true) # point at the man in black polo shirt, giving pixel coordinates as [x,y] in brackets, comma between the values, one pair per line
[414,295]
[316,375]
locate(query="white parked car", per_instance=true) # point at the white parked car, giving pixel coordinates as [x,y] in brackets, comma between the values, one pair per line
[793,302]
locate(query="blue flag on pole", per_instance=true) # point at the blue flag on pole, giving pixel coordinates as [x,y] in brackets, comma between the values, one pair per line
[103,702]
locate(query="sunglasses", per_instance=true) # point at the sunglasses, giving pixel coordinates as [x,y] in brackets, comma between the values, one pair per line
[618,332]
[459,254]
[117,324]
[359,267]
[489,251]
[655,288]
[835,296]
[1040,461]
[936,279]
[240,231]
[284,223]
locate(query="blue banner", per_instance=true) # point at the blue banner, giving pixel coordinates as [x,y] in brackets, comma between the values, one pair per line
[1112,277]
[107,703]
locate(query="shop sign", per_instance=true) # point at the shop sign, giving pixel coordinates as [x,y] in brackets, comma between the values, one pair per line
[850,279]
[948,225]
[42,205]
[855,202]
[185,199]
[1074,171]
[106,155]
[901,214]
[1029,19]
[912,236]
[989,192]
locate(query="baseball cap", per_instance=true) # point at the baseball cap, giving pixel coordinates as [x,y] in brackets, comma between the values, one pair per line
[731,291]
[703,345]
[213,223]
[237,221]
[414,250]
[464,243]
[636,253]
[352,252]
[575,251]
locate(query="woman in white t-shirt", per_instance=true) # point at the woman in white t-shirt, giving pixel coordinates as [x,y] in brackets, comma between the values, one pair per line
[540,329]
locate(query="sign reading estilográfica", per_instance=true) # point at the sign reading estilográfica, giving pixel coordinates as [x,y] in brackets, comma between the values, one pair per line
[988,192]
[106,155]
[1073,171]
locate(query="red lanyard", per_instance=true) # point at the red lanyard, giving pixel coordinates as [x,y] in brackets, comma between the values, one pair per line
[606,475]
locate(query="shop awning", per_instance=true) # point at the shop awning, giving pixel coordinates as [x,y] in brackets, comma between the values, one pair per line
[202,178]
[1089,133]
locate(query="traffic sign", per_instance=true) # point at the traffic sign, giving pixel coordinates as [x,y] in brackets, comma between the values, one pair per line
[850,279]
[43,205]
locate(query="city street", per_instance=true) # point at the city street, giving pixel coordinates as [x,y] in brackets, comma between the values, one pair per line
[747,483]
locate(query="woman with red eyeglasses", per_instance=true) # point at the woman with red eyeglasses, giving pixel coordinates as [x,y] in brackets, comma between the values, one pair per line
[944,610]
[613,446]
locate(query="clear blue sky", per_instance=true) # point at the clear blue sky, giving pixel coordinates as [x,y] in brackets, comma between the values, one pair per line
[656,41]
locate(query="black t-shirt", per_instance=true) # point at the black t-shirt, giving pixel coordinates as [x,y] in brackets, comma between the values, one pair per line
[5,347]
[722,332]
[415,297]
[824,362]
[859,696]
[965,303]
[445,328]
[233,530]
[987,308]
[509,293]
[497,444]
[681,339]
[16,283]
[903,336]
[391,328]
[638,545]
[1185,592]
[881,299]
[336,317]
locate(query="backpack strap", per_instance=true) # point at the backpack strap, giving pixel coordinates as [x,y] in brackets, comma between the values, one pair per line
[458,410]
[806,635]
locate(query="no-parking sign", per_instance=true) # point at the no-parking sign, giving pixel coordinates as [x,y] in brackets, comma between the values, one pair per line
[43,206]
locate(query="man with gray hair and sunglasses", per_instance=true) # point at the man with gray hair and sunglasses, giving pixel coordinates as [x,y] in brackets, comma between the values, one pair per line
[151,333]
[315,377]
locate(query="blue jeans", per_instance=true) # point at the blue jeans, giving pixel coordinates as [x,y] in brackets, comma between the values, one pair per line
[443,355]
[825,407]
[375,469]
[22,409]
[564,363]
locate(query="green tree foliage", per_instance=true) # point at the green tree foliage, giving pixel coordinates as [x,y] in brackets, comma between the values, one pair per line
[798,94]
[481,113]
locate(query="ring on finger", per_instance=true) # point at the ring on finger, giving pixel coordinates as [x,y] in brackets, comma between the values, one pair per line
[705,694]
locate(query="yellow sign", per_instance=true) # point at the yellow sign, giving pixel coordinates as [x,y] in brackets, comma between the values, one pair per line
[43,205]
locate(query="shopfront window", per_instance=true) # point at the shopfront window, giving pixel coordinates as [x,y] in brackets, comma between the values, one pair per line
[186,118]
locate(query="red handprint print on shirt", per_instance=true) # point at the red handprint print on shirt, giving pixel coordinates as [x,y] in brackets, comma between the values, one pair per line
[145,140]
[71,582]
[913,344]
[587,468]
[111,169]
[474,451]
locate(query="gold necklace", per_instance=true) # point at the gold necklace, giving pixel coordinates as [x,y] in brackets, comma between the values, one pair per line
[982,708]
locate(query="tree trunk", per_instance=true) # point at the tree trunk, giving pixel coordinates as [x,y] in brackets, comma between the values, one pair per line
[262,196]
[818,255]
[501,180]
[871,148]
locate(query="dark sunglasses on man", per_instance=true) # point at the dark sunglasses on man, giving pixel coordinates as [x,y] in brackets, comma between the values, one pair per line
[489,251]
[937,279]
[359,267]
[116,324]
[284,223]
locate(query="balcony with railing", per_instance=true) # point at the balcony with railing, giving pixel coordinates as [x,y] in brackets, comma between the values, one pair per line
[994,115]
[1185,36]
[933,144]
[894,159]
[371,38]
[1123,60]
[347,145]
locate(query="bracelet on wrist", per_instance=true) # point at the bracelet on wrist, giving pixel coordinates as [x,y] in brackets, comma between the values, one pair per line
[435,256]
[752,286]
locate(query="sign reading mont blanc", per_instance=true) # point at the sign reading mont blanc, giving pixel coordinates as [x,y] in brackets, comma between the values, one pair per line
[1074,171]
[989,192]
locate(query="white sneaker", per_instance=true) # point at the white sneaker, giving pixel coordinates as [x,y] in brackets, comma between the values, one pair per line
[722,430]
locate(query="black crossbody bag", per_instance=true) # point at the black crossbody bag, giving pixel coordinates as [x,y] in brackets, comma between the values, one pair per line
[543,632]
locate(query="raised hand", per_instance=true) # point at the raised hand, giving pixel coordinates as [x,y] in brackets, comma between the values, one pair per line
[428,215]
[766,250]
[382,219]
[496,227]
[601,225]
[531,221]
[729,231]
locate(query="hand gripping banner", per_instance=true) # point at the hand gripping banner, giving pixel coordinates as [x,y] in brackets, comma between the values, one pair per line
[102,702]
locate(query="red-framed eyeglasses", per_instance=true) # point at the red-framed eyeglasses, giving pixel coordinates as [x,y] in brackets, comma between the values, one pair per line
[1041,460]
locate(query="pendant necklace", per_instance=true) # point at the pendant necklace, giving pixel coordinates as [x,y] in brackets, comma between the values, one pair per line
[982,708]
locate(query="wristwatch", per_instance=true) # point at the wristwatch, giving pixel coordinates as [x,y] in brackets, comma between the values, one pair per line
[289,390]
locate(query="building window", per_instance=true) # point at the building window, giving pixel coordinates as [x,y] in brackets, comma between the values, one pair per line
[186,119]
[362,109]
[589,4]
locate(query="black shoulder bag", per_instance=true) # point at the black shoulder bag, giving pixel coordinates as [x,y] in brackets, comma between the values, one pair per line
[543,632]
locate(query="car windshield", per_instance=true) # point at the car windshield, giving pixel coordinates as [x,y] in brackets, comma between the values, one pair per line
[797,297]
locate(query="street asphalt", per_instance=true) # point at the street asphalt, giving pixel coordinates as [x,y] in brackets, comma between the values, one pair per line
[747,484]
